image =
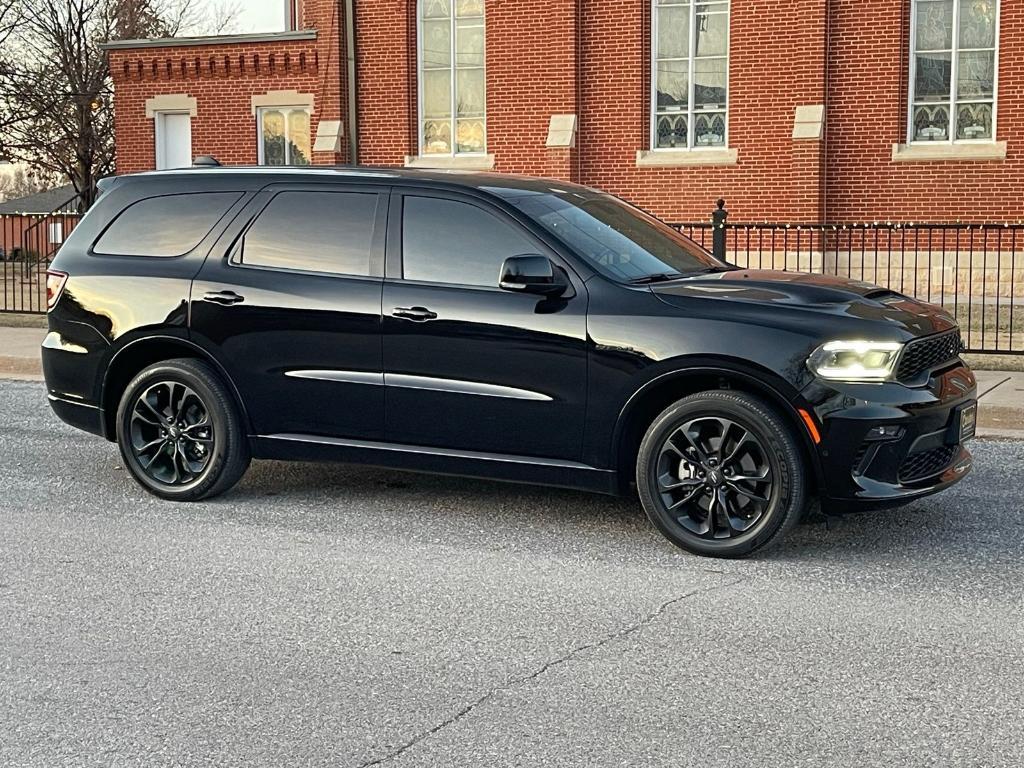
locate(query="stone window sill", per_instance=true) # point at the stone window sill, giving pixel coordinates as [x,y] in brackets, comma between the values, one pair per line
[457,163]
[937,153]
[666,158]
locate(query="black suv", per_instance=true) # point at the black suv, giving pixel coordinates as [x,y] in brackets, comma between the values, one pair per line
[497,326]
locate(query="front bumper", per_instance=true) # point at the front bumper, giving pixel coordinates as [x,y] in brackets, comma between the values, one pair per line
[925,454]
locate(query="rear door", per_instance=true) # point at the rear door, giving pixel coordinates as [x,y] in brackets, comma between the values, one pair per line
[290,302]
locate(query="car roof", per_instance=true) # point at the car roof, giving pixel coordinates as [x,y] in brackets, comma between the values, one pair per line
[501,184]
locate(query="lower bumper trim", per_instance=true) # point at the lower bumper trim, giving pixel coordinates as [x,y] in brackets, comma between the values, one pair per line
[83,416]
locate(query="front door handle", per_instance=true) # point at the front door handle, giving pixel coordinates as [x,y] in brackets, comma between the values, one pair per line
[225,298]
[416,314]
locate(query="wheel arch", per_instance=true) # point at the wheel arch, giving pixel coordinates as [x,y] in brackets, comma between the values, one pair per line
[139,354]
[693,376]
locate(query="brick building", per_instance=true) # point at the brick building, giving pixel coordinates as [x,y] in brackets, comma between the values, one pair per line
[793,110]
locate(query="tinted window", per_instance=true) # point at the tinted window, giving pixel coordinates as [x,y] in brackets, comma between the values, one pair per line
[444,241]
[314,231]
[171,225]
[618,239]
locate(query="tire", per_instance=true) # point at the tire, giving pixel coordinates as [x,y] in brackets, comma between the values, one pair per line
[199,454]
[724,450]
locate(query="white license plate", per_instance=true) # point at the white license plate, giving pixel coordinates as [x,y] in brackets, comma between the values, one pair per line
[968,422]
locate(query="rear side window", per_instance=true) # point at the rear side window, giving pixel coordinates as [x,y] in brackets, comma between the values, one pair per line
[314,232]
[445,241]
[171,225]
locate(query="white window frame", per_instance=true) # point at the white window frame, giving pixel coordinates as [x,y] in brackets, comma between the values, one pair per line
[286,109]
[420,119]
[158,134]
[953,77]
[691,58]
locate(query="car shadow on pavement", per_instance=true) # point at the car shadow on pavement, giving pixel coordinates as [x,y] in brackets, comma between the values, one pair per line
[338,494]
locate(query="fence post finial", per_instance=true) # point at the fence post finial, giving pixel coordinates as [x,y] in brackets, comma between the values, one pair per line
[718,219]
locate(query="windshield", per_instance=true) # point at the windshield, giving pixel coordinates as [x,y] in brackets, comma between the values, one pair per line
[619,240]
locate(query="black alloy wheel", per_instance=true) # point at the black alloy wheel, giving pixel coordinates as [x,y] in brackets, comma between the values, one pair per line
[180,431]
[172,436]
[720,474]
[714,477]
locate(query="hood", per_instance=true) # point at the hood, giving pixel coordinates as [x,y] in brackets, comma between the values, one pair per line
[837,296]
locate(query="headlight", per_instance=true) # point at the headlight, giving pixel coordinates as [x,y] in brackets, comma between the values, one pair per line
[855,360]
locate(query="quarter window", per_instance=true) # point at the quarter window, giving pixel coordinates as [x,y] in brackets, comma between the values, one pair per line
[171,225]
[445,241]
[452,77]
[313,232]
[691,74]
[953,70]
[284,134]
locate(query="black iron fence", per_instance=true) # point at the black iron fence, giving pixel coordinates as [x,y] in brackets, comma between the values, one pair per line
[28,243]
[974,271]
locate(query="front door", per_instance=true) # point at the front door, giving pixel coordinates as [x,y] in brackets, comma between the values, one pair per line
[291,307]
[469,366]
[173,140]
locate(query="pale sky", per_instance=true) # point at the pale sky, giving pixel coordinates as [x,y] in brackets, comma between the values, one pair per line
[259,15]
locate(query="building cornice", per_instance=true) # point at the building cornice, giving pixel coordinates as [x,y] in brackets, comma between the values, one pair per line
[185,42]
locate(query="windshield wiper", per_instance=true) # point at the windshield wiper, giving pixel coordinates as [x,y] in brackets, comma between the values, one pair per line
[661,277]
[707,271]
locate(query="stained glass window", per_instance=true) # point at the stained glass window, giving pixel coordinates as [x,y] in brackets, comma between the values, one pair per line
[285,136]
[453,91]
[691,73]
[953,66]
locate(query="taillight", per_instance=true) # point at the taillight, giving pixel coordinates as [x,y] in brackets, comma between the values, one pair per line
[54,287]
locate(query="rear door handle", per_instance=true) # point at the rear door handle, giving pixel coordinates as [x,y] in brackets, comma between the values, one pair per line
[225,298]
[417,314]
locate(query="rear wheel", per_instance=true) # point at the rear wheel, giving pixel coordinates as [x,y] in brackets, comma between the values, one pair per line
[721,475]
[180,432]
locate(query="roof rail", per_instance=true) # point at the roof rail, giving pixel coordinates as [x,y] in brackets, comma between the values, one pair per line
[206,161]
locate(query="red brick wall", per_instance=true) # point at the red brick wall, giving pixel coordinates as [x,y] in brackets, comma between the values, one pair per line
[776,63]
[223,79]
[867,115]
[538,49]
[386,74]
[591,58]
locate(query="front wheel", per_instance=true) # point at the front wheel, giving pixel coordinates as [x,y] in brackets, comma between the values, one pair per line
[721,475]
[180,432]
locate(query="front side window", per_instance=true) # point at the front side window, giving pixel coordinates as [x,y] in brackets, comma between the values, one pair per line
[617,239]
[691,74]
[953,70]
[445,241]
[166,226]
[452,78]
[284,136]
[313,232]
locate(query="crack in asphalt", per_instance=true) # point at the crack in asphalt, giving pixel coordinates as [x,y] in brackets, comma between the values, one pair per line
[993,388]
[645,621]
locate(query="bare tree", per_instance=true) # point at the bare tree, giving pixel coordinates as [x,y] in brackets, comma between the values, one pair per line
[56,110]
[9,15]
[22,182]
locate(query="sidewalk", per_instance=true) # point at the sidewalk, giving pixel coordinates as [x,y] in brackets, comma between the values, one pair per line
[1001,392]
[19,353]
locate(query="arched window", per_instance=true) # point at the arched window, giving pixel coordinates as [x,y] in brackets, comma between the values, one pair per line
[690,77]
[953,70]
[452,78]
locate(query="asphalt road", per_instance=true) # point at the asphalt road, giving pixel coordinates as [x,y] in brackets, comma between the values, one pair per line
[330,615]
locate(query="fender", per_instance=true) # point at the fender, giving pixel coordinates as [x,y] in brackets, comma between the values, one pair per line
[180,341]
[759,380]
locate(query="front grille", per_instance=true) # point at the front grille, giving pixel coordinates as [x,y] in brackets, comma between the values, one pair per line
[918,466]
[925,354]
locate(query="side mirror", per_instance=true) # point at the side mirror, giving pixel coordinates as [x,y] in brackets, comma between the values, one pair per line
[531,274]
